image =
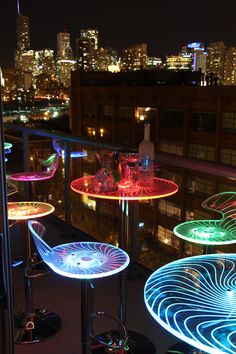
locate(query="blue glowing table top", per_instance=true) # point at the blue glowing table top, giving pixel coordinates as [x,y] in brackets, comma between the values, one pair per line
[195,299]
[86,260]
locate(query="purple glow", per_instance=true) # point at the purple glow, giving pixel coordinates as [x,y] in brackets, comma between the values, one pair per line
[80,260]
[30,176]
[50,167]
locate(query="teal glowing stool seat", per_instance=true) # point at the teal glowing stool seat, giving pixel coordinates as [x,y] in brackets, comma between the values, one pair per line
[86,261]
[212,232]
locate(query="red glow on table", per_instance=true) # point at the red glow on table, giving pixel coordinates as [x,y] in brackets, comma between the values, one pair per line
[160,188]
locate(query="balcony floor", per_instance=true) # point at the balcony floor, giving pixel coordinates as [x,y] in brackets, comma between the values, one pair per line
[62,295]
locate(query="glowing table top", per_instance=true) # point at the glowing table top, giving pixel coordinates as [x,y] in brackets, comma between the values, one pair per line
[30,176]
[212,232]
[28,210]
[161,188]
[195,299]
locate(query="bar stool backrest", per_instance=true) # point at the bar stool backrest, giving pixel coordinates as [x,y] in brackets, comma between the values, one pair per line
[37,230]
[51,164]
[225,204]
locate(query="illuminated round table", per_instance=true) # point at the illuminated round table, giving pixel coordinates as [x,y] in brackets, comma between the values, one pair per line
[128,200]
[195,299]
[31,325]
[212,232]
[49,168]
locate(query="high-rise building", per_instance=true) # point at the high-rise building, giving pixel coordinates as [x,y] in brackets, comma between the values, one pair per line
[23,39]
[63,42]
[91,34]
[230,67]
[65,60]
[87,49]
[216,60]
[134,57]
[199,56]
[106,58]
[182,61]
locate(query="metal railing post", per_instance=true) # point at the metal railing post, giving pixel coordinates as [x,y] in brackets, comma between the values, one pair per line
[5,257]
[67,184]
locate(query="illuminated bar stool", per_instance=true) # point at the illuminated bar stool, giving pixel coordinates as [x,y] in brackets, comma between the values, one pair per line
[195,300]
[81,260]
[7,149]
[128,199]
[49,168]
[212,232]
[59,148]
[31,325]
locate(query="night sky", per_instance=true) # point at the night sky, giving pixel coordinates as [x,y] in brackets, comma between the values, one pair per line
[164,25]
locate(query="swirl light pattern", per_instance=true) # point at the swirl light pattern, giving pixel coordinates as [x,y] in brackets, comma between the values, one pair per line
[195,299]
[81,260]
[212,232]
[161,188]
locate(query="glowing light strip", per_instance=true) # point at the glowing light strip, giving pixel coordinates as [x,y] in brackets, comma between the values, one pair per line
[7,146]
[195,299]
[28,210]
[161,188]
[74,154]
[212,232]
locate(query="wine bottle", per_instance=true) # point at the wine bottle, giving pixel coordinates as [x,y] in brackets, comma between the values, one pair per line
[146,159]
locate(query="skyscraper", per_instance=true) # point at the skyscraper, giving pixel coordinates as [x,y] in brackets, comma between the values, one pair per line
[87,49]
[134,57]
[65,60]
[216,60]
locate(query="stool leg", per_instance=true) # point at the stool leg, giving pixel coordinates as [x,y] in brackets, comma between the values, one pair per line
[123,244]
[86,311]
[33,325]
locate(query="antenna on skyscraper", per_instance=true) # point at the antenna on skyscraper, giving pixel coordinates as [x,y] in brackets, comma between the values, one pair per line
[18,7]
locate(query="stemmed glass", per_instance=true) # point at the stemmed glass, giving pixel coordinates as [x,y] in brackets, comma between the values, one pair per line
[128,169]
[104,180]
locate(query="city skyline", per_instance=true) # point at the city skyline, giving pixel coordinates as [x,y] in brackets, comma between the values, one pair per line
[164,27]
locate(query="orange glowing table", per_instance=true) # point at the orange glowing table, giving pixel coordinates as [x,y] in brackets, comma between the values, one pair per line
[28,210]
[128,199]
[31,325]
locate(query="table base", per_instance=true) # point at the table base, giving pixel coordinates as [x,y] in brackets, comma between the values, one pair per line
[137,343]
[184,348]
[44,324]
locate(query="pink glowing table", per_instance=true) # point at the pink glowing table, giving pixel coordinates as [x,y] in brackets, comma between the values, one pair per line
[31,325]
[49,167]
[128,198]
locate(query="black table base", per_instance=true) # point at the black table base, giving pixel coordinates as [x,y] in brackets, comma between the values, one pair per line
[42,325]
[136,344]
